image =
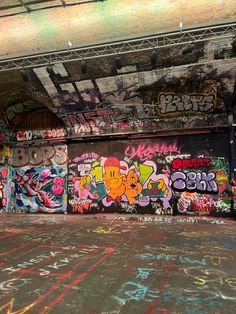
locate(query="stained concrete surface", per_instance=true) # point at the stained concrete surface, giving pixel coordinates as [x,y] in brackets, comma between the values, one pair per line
[109,265]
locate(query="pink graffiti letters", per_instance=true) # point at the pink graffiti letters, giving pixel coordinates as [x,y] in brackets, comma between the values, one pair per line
[57,188]
[145,152]
[194,181]
[3,188]
[86,156]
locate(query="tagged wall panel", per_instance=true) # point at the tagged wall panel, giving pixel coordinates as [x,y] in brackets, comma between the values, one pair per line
[39,177]
[187,173]
[4,189]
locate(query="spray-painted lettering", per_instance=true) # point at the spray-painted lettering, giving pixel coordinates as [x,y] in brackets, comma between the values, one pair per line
[201,182]
[180,163]
[36,156]
[144,151]
[174,103]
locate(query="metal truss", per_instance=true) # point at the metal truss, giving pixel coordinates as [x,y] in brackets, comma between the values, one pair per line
[181,37]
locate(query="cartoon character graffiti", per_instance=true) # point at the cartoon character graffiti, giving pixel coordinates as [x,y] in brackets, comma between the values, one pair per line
[83,187]
[114,180]
[133,187]
[222,180]
[157,186]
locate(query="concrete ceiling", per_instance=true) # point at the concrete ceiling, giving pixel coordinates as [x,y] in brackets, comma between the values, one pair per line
[99,22]
[29,28]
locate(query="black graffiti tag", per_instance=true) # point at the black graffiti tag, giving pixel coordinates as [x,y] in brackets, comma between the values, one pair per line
[201,182]
[172,103]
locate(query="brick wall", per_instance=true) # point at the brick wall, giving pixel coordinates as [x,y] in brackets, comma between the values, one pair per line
[107,21]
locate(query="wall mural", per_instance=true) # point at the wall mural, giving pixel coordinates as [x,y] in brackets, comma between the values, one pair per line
[39,177]
[187,173]
[17,108]
[174,98]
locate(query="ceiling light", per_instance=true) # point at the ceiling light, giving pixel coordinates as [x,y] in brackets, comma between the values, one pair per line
[50,70]
[234,45]
[154,57]
[83,67]
[118,62]
[24,75]
[188,49]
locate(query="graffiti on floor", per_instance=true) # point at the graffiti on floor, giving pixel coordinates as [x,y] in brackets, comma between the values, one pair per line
[208,284]
[140,290]
[47,269]
[105,230]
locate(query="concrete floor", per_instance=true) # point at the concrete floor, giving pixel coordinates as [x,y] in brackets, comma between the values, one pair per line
[76,264]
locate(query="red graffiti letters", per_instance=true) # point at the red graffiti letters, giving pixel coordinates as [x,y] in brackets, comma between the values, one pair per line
[40,134]
[179,163]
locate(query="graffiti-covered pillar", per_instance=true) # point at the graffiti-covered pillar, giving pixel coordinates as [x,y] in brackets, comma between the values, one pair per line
[233,166]
[5,179]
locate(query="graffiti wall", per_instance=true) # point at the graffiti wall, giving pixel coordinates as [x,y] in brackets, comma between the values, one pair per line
[39,176]
[171,98]
[187,174]
[16,109]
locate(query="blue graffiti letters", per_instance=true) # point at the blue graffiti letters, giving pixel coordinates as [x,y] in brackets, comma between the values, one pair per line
[144,272]
[135,291]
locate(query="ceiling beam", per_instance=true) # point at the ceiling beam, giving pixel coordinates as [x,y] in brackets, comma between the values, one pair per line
[63,3]
[25,6]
